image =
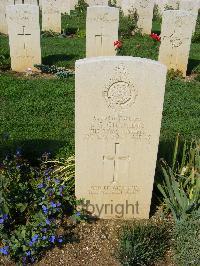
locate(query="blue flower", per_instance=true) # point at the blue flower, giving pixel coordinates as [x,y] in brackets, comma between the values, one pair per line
[78,214]
[31,243]
[53,204]
[28,253]
[58,204]
[60,240]
[40,185]
[44,230]
[44,238]
[4,250]
[45,209]
[3,218]
[52,239]
[48,222]
[34,238]
[56,181]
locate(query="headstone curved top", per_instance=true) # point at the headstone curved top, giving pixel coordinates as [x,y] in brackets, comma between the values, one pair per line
[118,113]
[24,36]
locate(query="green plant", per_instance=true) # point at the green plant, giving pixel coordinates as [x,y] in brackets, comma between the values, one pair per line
[82,7]
[60,72]
[49,33]
[156,14]
[4,62]
[181,186]
[128,24]
[196,35]
[34,201]
[143,243]
[186,247]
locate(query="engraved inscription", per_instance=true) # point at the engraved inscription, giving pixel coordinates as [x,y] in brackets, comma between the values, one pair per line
[96,190]
[117,127]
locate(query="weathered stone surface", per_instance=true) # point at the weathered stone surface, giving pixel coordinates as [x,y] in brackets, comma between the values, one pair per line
[31,2]
[118,113]
[191,6]
[97,2]
[144,9]
[51,16]
[101,30]
[176,33]
[24,36]
[3,22]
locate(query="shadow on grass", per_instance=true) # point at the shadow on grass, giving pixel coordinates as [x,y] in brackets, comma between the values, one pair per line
[33,150]
[192,64]
[53,59]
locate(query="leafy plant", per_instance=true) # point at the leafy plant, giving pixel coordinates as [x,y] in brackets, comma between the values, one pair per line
[33,201]
[61,72]
[143,243]
[128,24]
[181,186]
[186,247]
[82,7]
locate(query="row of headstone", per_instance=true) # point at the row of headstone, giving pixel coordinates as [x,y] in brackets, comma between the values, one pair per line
[51,12]
[101,33]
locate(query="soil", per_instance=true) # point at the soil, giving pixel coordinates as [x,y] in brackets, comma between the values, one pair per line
[91,244]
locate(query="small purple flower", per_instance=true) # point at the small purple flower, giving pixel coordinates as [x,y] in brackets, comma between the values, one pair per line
[44,230]
[34,238]
[4,250]
[3,218]
[56,181]
[53,205]
[48,222]
[45,209]
[60,239]
[28,253]
[78,214]
[58,204]
[52,239]
[44,238]
[40,185]
[31,243]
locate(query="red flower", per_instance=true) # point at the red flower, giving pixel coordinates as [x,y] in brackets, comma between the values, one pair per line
[155,37]
[118,44]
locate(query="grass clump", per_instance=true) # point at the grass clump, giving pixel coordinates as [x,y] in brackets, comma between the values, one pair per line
[143,243]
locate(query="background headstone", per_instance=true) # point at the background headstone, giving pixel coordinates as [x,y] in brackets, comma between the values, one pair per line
[3,22]
[97,2]
[117,135]
[190,5]
[18,2]
[31,2]
[24,36]
[101,30]
[51,16]
[144,9]
[176,33]
[64,6]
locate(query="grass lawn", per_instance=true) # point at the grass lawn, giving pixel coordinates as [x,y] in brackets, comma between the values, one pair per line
[37,113]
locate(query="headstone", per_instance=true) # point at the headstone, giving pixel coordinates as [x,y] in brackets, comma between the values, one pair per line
[65,6]
[97,2]
[177,27]
[3,22]
[127,6]
[117,135]
[51,16]
[18,2]
[190,5]
[161,4]
[101,30]
[24,36]
[144,9]
[31,2]
[172,4]
[73,4]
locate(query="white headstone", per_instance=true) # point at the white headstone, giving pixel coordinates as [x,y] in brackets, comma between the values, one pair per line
[144,9]
[64,6]
[3,22]
[97,2]
[31,2]
[101,30]
[190,5]
[119,102]
[18,2]
[51,16]
[24,36]
[73,4]
[176,33]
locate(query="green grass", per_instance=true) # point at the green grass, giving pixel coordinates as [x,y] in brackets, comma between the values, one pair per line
[38,113]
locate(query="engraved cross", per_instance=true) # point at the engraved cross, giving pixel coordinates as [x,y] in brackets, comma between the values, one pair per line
[116,158]
[24,34]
